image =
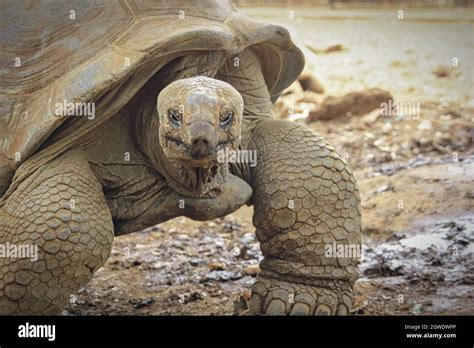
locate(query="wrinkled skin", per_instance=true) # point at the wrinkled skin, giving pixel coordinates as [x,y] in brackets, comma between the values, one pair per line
[303,193]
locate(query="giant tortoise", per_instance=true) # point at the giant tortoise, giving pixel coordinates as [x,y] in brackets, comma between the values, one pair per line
[115,117]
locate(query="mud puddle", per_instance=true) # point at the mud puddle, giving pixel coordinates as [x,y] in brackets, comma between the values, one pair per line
[422,271]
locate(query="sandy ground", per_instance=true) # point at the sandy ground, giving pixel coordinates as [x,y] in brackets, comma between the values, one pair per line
[415,174]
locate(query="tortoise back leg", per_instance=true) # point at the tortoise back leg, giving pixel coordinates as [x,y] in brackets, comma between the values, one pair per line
[305,200]
[62,211]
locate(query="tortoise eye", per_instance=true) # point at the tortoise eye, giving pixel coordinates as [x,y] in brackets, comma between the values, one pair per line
[175,117]
[227,119]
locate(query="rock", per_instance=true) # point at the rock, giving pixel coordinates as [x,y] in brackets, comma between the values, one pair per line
[156,228]
[190,297]
[468,279]
[442,71]
[366,205]
[195,261]
[231,225]
[355,103]
[247,238]
[370,157]
[387,128]
[309,97]
[140,303]
[396,236]
[329,49]
[310,83]
[135,263]
[216,266]
[298,117]
[469,194]
[425,125]
[252,270]
[294,88]
[221,276]
[335,48]
[388,187]
[382,145]
[417,309]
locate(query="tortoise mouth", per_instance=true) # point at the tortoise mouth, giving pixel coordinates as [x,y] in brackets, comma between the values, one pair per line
[177,149]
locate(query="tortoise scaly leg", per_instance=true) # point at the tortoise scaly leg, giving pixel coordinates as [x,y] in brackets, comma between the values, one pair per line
[305,199]
[60,209]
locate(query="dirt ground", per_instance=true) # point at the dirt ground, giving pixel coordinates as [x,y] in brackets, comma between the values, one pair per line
[415,174]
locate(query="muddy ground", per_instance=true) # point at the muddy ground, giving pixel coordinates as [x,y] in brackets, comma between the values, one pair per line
[415,173]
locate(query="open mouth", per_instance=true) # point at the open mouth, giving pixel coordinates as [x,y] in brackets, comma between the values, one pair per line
[203,160]
[184,152]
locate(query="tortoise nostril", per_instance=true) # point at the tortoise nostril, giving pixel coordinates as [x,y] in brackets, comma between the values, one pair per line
[200,147]
[200,141]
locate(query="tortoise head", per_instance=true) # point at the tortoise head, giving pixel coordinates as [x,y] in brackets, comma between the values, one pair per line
[199,116]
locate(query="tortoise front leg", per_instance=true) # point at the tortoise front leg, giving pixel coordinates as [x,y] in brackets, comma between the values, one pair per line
[59,217]
[305,200]
[170,204]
